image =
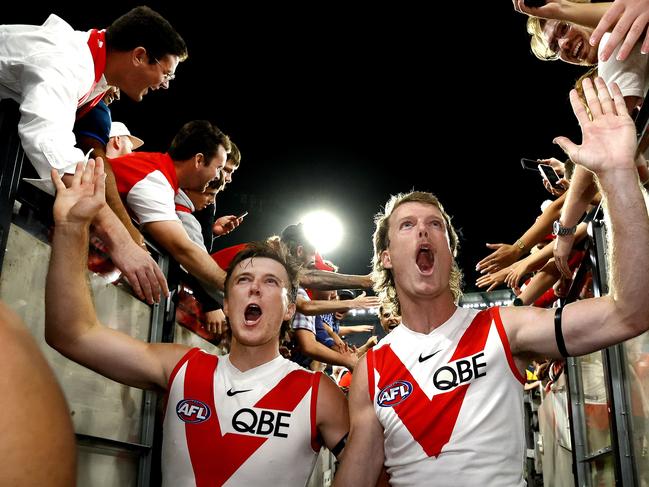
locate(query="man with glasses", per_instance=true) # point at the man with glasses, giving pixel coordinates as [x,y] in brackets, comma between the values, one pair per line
[166,75]
[58,74]
[557,39]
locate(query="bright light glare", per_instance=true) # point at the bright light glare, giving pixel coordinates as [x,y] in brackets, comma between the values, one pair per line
[323,230]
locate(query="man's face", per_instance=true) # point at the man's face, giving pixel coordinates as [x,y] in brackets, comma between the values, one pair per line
[206,173]
[419,253]
[119,146]
[201,200]
[305,254]
[228,170]
[570,41]
[389,320]
[147,75]
[257,301]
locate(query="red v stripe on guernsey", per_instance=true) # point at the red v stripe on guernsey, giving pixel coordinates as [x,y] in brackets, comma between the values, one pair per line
[216,457]
[297,382]
[431,421]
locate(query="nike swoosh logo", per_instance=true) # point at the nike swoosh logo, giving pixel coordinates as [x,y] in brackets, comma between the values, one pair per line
[234,393]
[423,359]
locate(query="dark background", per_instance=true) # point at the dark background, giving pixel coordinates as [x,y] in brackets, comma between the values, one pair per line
[337,106]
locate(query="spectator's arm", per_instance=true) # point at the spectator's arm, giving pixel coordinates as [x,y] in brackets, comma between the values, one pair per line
[319,307]
[508,254]
[310,347]
[348,330]
[586,14]
[48,110]
[581,192]
[338,342]
[87,143]
[369,343]
[172,237]
[316,279]
[538,259]
[117,205]
[540,283]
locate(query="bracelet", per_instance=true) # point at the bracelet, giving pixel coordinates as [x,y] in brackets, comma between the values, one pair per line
[519,243]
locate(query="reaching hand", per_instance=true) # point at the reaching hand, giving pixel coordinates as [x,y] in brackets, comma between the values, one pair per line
[494,279]
[608,140]
[364,302]
[141,271]
[503,256]
[562,248]
[80,203]
[216,322]
[630,18]
[515,273]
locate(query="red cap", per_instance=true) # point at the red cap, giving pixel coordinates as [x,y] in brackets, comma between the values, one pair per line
[321,265]
[224,257]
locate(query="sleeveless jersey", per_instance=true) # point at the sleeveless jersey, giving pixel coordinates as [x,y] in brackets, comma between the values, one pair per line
[450,403]
[227,427]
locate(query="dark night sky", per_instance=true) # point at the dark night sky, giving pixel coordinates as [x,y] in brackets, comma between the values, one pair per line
[339,106]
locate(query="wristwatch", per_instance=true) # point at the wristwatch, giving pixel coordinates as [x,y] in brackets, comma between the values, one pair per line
[558,229]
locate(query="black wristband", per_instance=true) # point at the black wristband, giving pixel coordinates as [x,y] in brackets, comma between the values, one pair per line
[558,333]
[340,445]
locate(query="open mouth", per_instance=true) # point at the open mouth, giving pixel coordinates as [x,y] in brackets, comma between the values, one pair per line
[252,314]
[425,259]
[577,49]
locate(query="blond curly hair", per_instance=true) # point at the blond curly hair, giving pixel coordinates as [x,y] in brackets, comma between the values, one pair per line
[382,277]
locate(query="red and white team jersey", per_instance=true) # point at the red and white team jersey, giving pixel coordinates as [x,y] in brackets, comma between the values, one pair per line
[148,184]
[226,427]
[450,403]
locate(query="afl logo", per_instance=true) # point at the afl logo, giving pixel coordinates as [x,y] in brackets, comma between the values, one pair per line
[192,411]
[395,393]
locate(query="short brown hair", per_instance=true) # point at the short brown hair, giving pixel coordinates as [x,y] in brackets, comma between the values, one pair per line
[382,277]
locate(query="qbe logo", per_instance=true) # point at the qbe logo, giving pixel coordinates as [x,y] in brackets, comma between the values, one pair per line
[193,411]
[395,393]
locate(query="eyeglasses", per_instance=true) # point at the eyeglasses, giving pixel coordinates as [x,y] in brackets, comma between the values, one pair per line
[559,31]
[167,76]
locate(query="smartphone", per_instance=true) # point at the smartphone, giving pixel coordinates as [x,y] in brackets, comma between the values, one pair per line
[550,174]
[242,215]
[530,164]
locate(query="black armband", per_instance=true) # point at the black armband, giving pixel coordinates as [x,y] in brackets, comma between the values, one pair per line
[558,333]
[340,445]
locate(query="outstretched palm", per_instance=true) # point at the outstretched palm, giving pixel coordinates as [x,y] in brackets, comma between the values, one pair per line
[85,197]
[608,140]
